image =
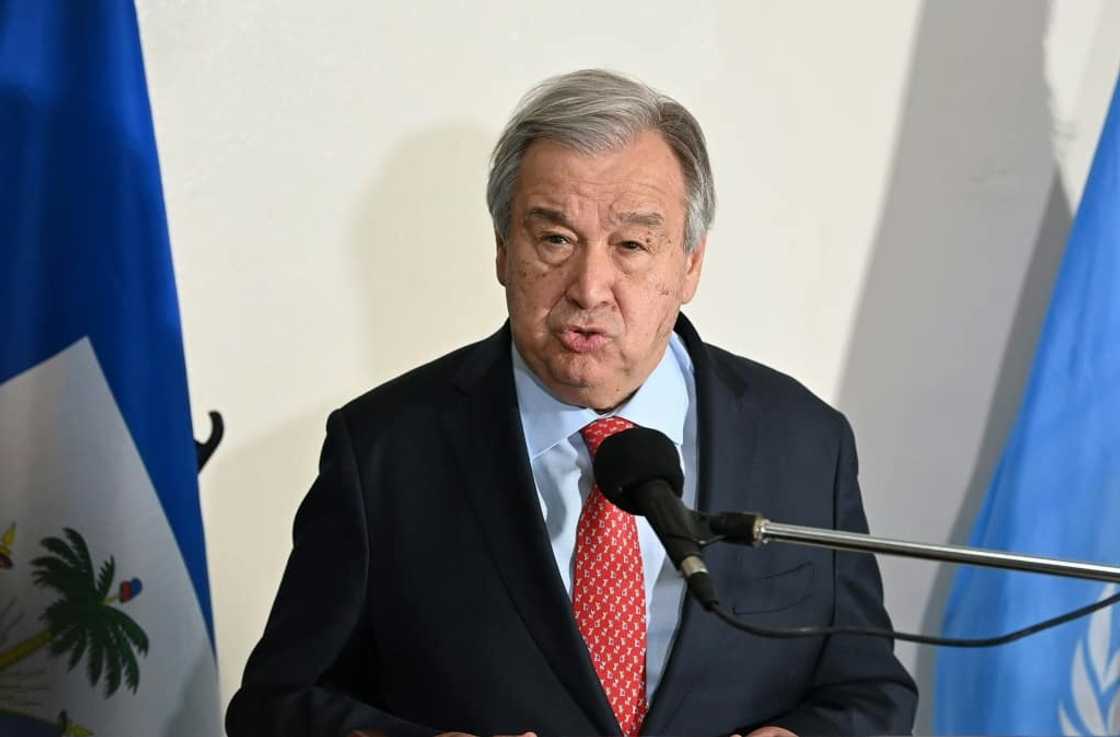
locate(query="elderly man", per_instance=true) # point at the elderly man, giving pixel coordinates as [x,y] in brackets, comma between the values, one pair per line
[456,569]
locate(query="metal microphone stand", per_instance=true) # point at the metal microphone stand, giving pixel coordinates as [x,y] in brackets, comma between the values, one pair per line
[747,528]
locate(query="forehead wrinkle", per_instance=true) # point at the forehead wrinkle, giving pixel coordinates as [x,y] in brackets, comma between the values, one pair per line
[560,205]
[584,200]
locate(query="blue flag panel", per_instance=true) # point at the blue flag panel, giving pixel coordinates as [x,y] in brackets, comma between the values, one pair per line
[105,616]
[1056,492]
[83,235]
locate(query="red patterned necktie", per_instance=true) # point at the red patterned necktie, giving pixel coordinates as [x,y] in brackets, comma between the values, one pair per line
[609,593]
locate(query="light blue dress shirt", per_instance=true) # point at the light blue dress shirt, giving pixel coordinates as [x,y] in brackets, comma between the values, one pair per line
[561,467]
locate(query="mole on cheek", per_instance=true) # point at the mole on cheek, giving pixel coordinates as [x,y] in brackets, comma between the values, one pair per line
[529,277]
[658,243]
[533,271]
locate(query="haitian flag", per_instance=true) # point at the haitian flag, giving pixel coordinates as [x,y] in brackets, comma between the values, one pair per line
[1056,492]
[105,619]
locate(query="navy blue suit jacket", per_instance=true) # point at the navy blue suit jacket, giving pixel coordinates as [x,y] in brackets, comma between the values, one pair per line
[422,594]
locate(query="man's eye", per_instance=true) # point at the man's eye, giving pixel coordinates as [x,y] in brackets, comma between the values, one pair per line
[631,246]
[556,239]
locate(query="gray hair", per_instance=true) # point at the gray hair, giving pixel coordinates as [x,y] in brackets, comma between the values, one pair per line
[593,111]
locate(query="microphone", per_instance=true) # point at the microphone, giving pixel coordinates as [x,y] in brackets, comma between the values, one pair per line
[638,470]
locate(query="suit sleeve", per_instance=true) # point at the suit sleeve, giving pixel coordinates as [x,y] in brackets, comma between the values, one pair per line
[859,687]
[308,674]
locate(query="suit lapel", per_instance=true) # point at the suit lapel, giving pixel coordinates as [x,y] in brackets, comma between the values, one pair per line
[485,430]
[727,429]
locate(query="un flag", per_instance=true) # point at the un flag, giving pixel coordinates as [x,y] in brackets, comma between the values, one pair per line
[1056,492]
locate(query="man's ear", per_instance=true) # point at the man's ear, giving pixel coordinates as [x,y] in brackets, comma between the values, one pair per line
[501,259]
[693,265]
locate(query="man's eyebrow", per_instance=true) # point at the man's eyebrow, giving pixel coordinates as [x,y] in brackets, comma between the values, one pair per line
[543,213]
[647,219]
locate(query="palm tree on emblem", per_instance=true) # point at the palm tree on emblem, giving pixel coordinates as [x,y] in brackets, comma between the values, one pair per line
[84,621]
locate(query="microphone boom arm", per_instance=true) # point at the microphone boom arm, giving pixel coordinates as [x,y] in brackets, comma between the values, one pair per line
[746,528]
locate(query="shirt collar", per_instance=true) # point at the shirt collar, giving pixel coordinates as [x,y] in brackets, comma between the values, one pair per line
[661,403]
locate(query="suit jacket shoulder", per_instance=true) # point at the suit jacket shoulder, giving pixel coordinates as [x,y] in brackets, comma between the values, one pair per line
[417,395]
[773,404]
[782,391]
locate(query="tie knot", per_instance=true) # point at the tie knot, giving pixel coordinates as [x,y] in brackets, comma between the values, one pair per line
[596,432]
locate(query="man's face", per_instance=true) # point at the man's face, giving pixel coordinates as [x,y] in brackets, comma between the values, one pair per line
[594,267]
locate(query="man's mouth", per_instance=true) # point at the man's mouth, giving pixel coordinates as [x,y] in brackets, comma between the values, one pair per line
[582,340]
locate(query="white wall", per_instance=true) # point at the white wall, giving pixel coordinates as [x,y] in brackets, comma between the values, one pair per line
[895,180]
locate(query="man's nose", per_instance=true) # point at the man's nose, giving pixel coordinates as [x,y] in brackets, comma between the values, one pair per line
[592,277]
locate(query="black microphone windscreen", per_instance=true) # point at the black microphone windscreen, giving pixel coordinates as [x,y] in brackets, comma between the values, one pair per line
[634,457]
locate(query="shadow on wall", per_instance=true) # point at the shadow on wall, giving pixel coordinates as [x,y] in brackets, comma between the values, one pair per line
[971,233]
[424,251]
[422,259]
[263,480]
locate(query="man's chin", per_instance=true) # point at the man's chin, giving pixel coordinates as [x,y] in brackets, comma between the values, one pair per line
[596,389]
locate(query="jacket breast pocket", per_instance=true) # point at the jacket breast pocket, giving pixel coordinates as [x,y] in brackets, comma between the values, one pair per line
[774,592]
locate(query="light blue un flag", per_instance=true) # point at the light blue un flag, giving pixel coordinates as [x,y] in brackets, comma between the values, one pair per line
[1056,492]
[105,621]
